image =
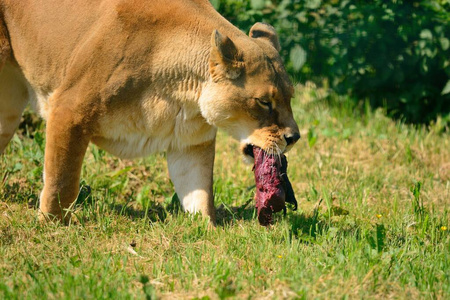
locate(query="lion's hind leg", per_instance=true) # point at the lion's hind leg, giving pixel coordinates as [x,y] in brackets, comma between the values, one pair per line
[5,46]
[13,99]
[13,92]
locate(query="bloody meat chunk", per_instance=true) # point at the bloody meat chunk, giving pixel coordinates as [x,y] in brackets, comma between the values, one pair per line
[273,188]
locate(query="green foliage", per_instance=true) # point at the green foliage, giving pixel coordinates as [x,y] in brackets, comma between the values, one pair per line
[394,53]
[418,206]
[312,137]
[377,237]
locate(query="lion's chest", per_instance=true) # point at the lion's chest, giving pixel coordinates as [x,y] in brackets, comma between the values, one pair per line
[151,125]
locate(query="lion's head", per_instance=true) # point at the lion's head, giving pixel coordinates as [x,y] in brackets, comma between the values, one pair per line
[249,93]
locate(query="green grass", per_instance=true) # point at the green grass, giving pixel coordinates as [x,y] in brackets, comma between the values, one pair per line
[373,211]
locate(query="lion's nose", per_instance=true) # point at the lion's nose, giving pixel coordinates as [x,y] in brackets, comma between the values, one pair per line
[292,138]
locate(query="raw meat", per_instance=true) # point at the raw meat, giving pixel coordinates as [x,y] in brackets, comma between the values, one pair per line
[273,188]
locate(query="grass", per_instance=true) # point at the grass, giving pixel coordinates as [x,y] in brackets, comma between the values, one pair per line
[372,222]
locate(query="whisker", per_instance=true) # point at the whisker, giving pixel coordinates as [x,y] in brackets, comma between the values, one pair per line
[279,153]
[276,151]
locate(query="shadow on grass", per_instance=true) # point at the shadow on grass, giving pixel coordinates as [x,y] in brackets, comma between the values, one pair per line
[19,192]
[227,214]
[304,226]
[155,212]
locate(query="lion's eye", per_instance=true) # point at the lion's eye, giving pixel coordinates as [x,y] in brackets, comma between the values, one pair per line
[265,104]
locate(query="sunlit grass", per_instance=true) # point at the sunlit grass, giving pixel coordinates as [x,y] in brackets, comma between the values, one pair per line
[372,220]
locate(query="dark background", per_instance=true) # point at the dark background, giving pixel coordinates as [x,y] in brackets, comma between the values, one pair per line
[394,54]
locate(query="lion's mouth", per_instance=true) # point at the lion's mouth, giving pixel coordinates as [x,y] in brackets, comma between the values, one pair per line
[248,151]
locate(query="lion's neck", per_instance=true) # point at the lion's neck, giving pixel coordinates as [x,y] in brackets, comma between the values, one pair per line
[190,74]
[187,68]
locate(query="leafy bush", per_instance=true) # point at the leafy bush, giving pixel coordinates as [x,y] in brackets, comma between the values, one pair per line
[395,53]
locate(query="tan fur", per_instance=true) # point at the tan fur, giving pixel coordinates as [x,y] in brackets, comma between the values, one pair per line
[5,47]
[136,77]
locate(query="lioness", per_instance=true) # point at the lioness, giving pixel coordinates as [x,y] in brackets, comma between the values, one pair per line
[139,76]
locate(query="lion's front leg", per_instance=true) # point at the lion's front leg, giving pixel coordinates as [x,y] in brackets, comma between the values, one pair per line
[191,171]
[65,147]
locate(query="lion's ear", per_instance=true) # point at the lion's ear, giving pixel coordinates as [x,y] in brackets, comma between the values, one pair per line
[225,60]
[266,32]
